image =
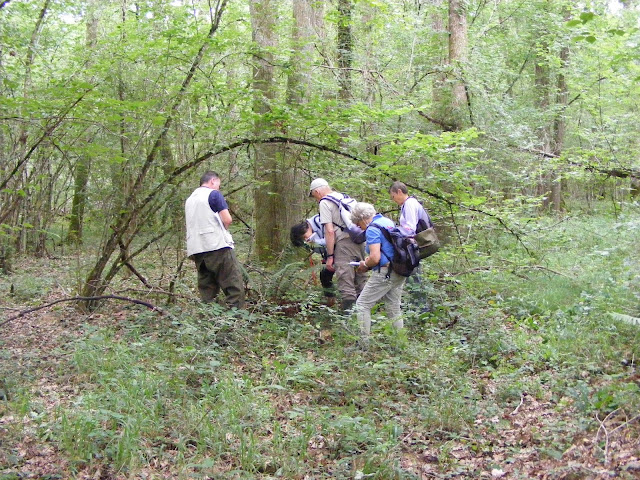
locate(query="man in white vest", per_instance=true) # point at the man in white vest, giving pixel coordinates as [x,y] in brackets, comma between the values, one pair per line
[209,243]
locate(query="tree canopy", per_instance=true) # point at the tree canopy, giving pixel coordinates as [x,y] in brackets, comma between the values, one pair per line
[111,110]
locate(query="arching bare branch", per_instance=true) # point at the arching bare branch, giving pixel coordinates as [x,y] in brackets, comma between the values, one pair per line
[85,299]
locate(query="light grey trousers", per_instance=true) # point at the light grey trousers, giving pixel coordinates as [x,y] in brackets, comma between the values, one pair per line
[378,288]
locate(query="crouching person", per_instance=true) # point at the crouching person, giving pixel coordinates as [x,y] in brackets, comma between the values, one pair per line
[383,284]
[311,232]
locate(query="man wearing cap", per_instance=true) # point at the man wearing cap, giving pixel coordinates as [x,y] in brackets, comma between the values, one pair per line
[209,243]
[340,248]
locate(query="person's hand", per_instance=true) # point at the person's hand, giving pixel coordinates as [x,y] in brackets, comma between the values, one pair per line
[362,268]
[329,265]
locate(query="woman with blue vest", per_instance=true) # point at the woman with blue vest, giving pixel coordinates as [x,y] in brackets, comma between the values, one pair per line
[383,284]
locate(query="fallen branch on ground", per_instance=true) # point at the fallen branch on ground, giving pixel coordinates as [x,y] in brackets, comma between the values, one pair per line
[84,299]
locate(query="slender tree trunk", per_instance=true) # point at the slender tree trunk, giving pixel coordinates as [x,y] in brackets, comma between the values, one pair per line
[307,25]
[457,59]
[345,49]
[449,92]
[542,84]
[33,44]
[303,32]
[560,128]
[78,202]
[83,165]
[438,28]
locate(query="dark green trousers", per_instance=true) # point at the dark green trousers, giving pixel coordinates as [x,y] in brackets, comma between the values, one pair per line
[220,270]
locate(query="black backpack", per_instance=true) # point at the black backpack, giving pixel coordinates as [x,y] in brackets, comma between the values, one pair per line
[406,253]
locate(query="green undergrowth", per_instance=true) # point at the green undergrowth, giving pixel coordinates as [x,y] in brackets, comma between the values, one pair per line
[281,393]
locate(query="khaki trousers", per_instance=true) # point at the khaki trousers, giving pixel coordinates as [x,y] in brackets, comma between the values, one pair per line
[350,283]
[380,286]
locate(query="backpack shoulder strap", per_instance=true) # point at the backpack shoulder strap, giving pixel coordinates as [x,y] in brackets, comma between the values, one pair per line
[337,202]
[384,230]
[316,222]
[386,235]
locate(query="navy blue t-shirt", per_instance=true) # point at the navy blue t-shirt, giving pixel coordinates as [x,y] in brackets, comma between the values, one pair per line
[217,201]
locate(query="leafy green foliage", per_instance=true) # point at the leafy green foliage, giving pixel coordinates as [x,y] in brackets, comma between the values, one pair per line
[525,306]
[281,391]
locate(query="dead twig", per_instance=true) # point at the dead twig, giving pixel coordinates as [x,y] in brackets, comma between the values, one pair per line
[512,268]
[515,412]
[84,299]
[622,425]
[156,291]
[606,434]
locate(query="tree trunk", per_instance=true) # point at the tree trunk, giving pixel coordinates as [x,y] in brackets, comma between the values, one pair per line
[560,128]
[438,28]
[449,92]
[83,166]
[268,199]
[33,44]
[542,95]
[307,25]
[457,59]
[345,49]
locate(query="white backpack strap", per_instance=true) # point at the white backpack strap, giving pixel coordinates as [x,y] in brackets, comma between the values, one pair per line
[316,223]
[338,203]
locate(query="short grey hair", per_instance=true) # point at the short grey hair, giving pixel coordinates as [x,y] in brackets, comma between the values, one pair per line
[362,211]
[208,176]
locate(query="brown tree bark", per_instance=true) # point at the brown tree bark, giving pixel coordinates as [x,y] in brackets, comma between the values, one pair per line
[545,130]
[457,57]
[559,128]
[450,100]
[345,49]
[306,29]
[268,200]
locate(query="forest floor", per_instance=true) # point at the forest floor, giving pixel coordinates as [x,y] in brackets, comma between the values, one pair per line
[504,426]
[609,451]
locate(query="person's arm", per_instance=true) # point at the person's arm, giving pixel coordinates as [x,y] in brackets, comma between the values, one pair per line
[371,260]
[219,205]
[225,216]
[330,238]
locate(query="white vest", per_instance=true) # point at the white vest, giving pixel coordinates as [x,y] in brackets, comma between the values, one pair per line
[205,230]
